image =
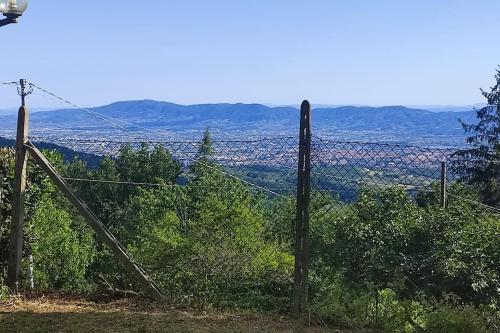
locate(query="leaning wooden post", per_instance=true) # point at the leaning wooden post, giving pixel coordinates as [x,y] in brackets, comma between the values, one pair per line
[109,239]
[443,196]
[17,223]
[300,301]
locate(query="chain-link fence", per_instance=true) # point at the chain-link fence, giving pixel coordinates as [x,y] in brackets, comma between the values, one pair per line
[214,220]
[211,221]
[341,170]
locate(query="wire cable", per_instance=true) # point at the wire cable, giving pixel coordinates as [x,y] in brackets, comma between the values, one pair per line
[93,113]
[491,208]
[101,116]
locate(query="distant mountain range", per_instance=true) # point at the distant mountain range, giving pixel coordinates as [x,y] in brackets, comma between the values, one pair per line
[434,108]
[397,122]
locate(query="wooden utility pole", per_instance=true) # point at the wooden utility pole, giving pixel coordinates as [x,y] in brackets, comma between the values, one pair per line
[17,223]
[301,283]
[23,146]
[443,196]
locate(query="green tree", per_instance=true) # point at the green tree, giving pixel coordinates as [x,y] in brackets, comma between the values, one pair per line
[143,165]
[202,163]
[62,248]
[480,164]
[38,184]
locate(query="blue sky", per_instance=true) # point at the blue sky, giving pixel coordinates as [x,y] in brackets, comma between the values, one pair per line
[269,51]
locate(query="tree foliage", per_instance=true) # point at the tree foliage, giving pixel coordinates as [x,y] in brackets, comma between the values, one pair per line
[210,239]
[480,164]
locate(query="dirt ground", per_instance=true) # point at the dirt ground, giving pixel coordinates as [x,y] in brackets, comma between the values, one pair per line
[51,314]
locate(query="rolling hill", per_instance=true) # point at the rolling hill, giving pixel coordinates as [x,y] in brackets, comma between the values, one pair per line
[257,119]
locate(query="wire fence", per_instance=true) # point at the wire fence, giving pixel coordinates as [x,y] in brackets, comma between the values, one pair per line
[241,214]
[214,221]
[339,169]
[267,164]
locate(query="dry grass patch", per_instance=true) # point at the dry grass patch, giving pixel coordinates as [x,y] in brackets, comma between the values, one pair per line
[132,315]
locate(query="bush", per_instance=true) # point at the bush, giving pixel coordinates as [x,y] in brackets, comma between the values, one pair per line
[62,248]
[376,309]
[343,306]
[387,240]
[215,253]
[4,292]
[449,319]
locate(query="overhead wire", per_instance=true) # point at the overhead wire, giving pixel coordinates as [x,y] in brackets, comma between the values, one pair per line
[103,117]
[95,114]
[113,123]
[100,115]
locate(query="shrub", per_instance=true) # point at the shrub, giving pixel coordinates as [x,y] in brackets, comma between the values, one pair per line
[449,319]
[343,306]
[4,292]
[62,248]
[376,309]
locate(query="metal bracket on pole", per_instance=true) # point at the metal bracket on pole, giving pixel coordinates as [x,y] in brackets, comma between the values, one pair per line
[9,19]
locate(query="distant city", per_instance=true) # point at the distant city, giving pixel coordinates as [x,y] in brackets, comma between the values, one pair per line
[432,126]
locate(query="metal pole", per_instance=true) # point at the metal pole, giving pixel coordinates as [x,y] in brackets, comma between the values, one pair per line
[443,197]
[300,301]
[17,223]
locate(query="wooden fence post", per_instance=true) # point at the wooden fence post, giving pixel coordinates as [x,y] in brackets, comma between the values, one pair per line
[301,285]
[17,223]
[443,196]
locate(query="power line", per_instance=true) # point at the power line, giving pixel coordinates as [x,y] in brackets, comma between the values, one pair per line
[101,116]
[95,114]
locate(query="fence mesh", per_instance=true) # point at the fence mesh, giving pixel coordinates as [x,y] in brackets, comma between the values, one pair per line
[340,170]
[222,223]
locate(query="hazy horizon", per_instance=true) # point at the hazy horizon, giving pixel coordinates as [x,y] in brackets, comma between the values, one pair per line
[437,108]
[330,52]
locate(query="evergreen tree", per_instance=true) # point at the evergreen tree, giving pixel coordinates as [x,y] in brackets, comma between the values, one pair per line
[206,149]
[202,163]
[480,164]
